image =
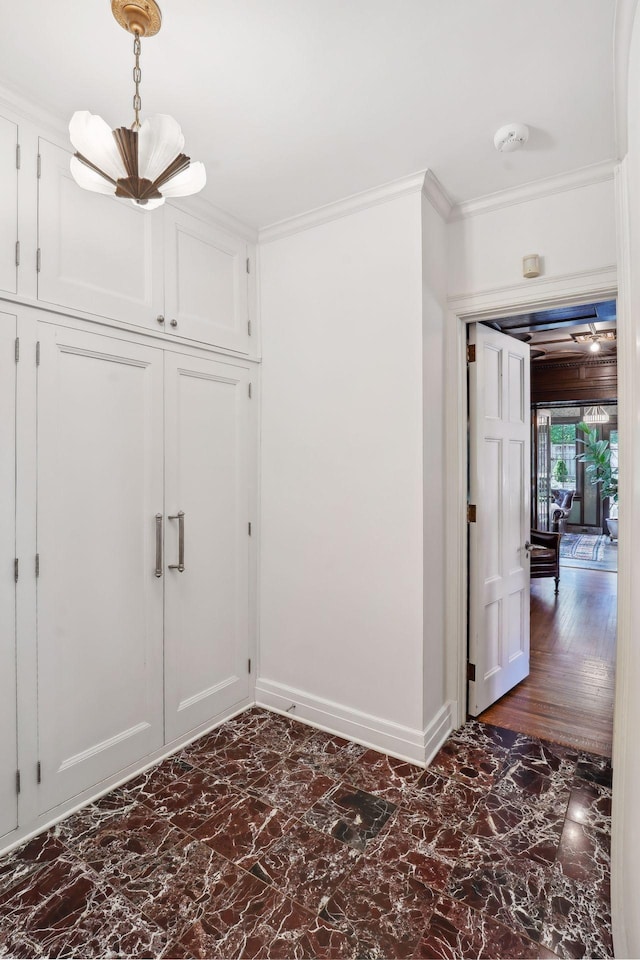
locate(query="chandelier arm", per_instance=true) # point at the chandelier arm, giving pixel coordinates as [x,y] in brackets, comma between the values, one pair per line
[127,143]
[93,167]
[180,163]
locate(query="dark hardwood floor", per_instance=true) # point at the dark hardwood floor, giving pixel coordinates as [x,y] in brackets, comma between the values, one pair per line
[568,695]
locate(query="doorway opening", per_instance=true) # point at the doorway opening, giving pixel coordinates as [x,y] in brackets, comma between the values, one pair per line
[568,695]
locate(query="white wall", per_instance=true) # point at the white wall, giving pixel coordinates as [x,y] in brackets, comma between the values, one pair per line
[342,498]
[434,312]
[573,231]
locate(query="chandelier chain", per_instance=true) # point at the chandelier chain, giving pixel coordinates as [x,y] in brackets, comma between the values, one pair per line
[137,78]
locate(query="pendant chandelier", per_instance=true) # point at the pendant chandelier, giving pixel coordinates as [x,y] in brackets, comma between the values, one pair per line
[144,162]
[596,415]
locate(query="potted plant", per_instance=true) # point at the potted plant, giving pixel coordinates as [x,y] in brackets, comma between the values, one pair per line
[597,456]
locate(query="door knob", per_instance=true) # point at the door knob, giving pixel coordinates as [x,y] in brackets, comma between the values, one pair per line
[174,322]
[160,318]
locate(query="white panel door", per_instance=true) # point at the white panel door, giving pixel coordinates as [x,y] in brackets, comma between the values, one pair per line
[499,439]
[206,282]
[96,251]
[8,733]
[8,205]
[100,463]
[206,603]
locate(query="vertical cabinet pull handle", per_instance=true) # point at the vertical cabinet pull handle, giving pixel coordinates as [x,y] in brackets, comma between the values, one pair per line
[179,566]
[158,544]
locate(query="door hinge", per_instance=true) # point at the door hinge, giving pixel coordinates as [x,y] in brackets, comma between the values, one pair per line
[250,391]
[249,526]
[37,564]
[17,253]
[471,513]
[17,156]
[16,569]
[38,354]
[471,353]
[248,265]
[471,671]
[249,327]
[249,665]
[39,166]
[38,260]
[17,349]
[39,772]
[17,781]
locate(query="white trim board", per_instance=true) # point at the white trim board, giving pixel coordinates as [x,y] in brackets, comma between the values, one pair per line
[405,743]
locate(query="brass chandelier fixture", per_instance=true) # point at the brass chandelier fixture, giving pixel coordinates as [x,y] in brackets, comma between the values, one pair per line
[145,162]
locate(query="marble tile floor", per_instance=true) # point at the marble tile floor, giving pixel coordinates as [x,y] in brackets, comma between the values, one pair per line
[270,839]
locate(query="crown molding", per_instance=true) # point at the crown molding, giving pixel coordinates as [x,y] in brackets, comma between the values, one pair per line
[536,190]
[414,183]
[437,196]
[576,364]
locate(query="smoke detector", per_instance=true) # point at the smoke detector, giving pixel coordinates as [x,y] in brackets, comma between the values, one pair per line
[511,137]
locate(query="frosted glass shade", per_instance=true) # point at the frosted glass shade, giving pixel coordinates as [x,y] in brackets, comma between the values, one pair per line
[146,165]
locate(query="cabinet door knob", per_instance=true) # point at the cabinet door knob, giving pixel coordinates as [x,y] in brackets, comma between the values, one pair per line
[174,322]
[160,318]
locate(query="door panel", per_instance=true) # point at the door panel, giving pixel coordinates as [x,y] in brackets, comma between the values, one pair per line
[99,603]
[96,251]
[205,282]
[206,605]
[8,205]
[499,456]
[8,740]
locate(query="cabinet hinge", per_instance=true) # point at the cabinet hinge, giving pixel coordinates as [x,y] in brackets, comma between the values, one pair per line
[39,772]
[39,166]
[17,156]
[249,665]
[249,526]
[37,564]
[38,260]
[38,354]
[248,265]
[471,353]
[17,253]
[17,349]
[471,513]
[16,569]
[250,391]
[471,671]
[249,327]
[17,781]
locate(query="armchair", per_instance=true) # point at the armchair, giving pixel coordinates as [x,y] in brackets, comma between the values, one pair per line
[545,555]
[560,509]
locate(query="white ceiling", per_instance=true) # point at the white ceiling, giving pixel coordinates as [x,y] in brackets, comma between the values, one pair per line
[293,104]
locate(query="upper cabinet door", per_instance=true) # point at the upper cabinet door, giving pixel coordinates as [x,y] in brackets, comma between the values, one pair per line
[8,205]
[206,283]
[96,252]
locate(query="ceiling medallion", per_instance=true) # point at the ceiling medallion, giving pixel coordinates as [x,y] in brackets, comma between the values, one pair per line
[144,162]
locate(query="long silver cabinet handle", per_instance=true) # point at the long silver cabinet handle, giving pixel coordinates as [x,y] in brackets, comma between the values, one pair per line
[179,566]
[158,544]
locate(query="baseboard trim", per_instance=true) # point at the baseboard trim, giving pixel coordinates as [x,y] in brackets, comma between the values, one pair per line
[405,743]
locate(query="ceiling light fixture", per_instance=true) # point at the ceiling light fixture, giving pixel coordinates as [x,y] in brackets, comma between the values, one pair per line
[596,415]
[595,345]
[144,162]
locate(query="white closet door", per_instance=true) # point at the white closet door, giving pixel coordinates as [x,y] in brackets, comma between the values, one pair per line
[8,734]
[206,604]
[206,282]
[96,252]
[99,601]
[8,205]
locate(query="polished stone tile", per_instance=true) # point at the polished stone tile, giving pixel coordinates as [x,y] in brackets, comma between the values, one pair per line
[523,829]
[240,762]
[585,854]
[578,920]
[594,769]
[328,754]
[384,776]
[469,763]
[28,859]
[590,805]
[190,801]
[350,815]
[244,830]
[291,786]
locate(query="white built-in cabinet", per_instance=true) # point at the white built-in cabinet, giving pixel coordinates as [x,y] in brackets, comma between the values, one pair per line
[8,205]
[127,498]
[8,702]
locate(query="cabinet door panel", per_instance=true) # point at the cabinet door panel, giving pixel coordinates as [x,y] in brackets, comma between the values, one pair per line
[205,282]
[8,205]
[206,606]
[96,251]
[8,737]
[99,602]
